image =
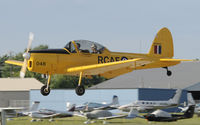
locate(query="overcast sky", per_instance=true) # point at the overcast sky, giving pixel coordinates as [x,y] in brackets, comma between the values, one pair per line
[120,25]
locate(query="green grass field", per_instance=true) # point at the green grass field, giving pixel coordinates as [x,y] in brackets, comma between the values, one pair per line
[79,121]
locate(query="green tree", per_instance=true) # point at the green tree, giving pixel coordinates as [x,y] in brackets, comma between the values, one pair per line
[2,64]
[63,81]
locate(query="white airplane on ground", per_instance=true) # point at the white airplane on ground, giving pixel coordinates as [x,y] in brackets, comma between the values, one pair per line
[33,108]
[105,115]
[50,114]
[12,112]
[8,112]
[143,105]
[90,106]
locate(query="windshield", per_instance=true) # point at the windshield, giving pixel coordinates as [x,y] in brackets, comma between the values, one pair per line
[85,46]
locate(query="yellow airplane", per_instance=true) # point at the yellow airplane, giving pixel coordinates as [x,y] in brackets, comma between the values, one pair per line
[84,58]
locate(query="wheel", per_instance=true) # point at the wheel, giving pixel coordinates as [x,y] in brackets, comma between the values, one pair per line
[80,90]
[44,90]
[169,73]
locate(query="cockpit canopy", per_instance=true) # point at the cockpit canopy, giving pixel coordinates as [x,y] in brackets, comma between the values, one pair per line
[85,46]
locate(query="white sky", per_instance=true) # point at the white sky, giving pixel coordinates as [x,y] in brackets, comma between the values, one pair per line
[120,25]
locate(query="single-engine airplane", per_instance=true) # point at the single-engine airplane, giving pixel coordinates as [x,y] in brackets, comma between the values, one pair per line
[85,58]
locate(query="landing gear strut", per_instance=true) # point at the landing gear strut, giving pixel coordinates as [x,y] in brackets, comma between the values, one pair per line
[80,89]
[45,90]
[169,73]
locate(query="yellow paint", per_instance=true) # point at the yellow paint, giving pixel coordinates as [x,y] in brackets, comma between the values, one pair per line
[14,62]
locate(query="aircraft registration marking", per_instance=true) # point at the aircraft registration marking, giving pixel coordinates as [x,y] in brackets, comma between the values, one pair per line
[106,59]
[40,63]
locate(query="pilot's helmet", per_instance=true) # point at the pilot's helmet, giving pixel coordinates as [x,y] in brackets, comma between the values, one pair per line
[94,46]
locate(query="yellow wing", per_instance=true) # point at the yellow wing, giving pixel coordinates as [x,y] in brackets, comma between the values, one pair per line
[14,62]
[105,67]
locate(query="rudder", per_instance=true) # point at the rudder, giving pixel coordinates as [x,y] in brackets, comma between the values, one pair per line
[177,96]
[162,45]
[34,106]
[115,100]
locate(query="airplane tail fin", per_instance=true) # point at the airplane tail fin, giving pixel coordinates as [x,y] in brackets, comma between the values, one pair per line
[162,45]
[176,98]
[190,99]
[115,100]
[190,112]
[132,114]
[70,107]
[34,106]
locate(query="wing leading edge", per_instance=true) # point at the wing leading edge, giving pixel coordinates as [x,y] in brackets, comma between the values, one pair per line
[105,67]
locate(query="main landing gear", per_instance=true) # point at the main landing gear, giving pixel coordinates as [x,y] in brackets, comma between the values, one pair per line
[169,73]
[80,89]
[45,90]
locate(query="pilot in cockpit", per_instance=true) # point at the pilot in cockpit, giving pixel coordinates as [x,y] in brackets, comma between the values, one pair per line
[94,48]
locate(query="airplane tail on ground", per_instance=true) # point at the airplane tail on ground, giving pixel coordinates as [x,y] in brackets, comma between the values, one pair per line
[133,114]
[115,100]
[34,106]
[71,107]
[190,103]
[162,44]
[190,112]
[176,98]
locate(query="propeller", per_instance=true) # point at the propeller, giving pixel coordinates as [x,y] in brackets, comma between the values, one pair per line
[26,56]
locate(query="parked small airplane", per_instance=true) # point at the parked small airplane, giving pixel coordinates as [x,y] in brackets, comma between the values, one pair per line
[12,112]
[50,114]
[33,108]
[84,58]
[105,115]
[142,105]
[90,106]
[163,116]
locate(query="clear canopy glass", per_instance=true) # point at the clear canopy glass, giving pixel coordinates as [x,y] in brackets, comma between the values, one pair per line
[85,46]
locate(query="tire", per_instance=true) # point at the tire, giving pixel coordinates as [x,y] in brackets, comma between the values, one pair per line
[80,90]
[44,91]
[169,73]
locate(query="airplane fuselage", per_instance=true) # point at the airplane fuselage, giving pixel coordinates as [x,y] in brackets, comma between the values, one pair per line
[147,105]
[58,61]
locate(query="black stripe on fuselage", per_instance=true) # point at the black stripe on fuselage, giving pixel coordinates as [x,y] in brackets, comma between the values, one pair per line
[53,51]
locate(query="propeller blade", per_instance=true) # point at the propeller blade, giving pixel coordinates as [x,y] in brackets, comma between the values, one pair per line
[23,69]
[31,35]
